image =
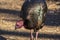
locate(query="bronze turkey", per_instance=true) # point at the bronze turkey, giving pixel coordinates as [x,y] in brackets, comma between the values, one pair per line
[33,13]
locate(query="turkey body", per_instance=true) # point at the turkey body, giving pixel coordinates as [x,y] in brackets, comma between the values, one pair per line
[33,13]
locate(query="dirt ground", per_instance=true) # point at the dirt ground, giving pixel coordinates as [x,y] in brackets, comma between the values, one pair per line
[9,13]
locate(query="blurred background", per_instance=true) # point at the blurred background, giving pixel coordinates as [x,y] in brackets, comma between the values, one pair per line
[9,14]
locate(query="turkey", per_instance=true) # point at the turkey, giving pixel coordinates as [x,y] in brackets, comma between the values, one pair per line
[33,14]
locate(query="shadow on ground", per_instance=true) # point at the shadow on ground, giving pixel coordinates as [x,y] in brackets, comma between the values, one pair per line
[2,38]
[53,18]
[26,34]
[8,11]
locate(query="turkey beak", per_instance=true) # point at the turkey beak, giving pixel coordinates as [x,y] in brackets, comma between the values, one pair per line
[16,27]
